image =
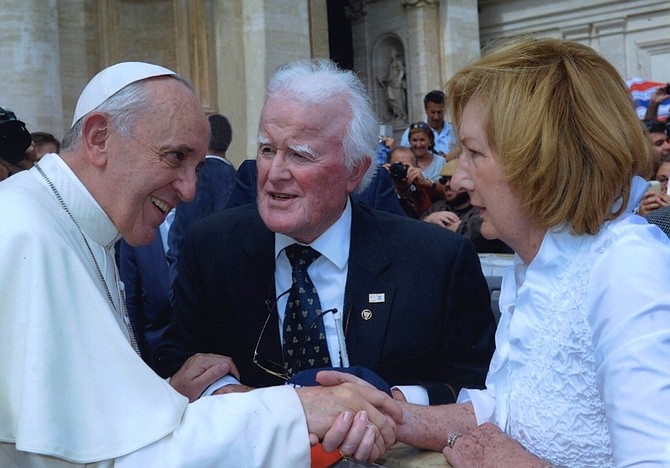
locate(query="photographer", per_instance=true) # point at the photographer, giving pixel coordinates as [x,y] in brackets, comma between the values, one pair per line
[410,184]
[17,152]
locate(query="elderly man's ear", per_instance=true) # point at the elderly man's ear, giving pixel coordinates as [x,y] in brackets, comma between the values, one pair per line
[96,138]
[357,174]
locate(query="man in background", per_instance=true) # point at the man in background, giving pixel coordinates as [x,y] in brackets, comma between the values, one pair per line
[433,104]
[45,143]
[215,183]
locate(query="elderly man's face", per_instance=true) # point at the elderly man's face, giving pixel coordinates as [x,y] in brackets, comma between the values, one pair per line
[303,182]
[154,169]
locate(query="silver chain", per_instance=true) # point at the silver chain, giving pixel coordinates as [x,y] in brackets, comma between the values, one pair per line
[124,313]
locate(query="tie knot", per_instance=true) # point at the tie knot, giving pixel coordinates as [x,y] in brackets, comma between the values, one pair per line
[301,256]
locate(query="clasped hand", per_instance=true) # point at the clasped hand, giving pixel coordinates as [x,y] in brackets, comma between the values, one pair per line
[344,413]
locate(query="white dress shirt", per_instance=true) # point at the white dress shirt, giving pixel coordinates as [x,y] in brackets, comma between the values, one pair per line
[580,375]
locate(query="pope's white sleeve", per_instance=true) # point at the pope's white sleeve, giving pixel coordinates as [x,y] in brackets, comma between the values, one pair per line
[265,427]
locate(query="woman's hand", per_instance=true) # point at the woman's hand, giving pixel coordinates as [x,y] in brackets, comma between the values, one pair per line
[488,446]
[653,201]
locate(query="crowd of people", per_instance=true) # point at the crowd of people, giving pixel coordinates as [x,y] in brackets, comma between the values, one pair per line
[313,299]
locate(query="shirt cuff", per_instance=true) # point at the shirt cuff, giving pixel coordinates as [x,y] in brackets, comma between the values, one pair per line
[414,394]
[222,382]
[482,402]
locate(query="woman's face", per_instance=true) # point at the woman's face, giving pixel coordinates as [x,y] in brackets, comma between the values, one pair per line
[420,143]
[480,173]
[662,175]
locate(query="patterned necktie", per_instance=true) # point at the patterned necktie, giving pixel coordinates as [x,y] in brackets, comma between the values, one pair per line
[305,345]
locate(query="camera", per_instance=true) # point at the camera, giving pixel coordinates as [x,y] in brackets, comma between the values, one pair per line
[398,171]
[14,138]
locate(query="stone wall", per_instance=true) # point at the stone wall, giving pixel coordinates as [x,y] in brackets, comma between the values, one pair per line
[229,48]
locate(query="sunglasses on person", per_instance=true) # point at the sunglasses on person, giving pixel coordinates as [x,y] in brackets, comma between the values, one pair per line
[420,125]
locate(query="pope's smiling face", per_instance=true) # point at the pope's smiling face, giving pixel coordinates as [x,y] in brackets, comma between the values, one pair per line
[151,171]
[303,180]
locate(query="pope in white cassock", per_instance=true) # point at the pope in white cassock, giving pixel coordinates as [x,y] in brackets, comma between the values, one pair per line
[73,390]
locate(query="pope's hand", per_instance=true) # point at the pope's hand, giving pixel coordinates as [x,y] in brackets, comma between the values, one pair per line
[199,372]
[351,415]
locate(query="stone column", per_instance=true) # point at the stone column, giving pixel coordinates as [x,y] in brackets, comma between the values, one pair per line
[194,51]
[318,29]
[423,57]
[460,35]
[611,42]
[30,54]
[356,11]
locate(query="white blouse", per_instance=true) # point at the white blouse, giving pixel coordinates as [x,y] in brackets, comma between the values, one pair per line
[581,373]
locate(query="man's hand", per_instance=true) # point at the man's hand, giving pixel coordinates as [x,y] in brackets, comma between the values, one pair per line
[487,446]
[365,436]
[415,176]
[389,142]
[199,372]
[658,96]
[445,219]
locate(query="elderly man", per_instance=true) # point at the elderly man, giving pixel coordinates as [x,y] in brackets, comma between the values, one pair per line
[403,298]
[73,390]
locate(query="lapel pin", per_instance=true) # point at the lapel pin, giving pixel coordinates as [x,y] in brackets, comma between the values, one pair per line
[376,298]
[366,314]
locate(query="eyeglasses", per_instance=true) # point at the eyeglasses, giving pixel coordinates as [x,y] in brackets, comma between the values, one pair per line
[420,125]
[282,370]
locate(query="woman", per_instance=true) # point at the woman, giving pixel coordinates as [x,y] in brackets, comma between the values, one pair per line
[580,376]
[661,216]
[663,174]
[422,140]
[654,199]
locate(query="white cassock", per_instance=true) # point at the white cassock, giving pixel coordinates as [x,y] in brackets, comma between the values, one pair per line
[72,389]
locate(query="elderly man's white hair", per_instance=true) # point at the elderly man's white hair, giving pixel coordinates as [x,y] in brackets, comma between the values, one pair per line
[322,81]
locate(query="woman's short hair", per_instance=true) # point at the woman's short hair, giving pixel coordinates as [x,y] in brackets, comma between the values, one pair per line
[561,122]
[321,81]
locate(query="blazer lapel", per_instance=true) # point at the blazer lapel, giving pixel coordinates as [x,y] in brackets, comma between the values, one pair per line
[368,298]
[259,289]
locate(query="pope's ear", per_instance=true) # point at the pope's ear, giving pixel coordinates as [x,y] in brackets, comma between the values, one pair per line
[95,136]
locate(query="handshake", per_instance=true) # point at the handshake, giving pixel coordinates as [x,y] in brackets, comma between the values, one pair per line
[343,412]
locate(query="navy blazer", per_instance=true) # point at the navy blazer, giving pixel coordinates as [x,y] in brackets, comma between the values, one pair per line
[435,326]
[378,195]
[144,272]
